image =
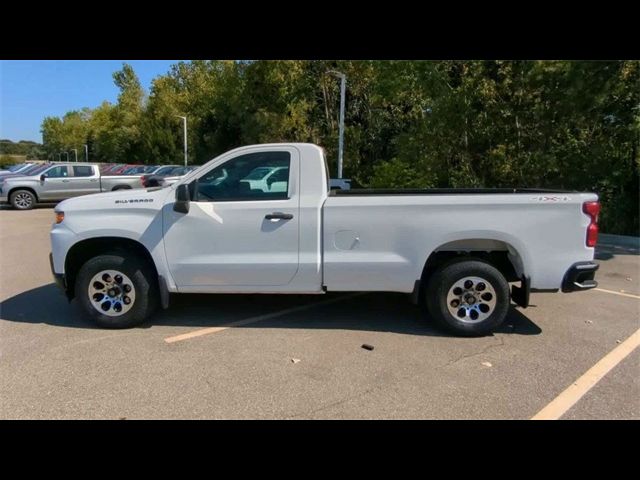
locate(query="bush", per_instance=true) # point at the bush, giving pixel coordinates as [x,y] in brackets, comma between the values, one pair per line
[7,161]
[399,174]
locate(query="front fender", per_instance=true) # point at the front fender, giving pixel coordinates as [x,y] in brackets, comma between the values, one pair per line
[87,218]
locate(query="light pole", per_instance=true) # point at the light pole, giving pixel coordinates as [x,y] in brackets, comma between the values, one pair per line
[343,86]
[86,152]
[184,122]
[74,150]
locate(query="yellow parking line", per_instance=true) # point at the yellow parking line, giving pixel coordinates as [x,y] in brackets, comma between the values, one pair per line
[580,387]
[259,318]
[618,293]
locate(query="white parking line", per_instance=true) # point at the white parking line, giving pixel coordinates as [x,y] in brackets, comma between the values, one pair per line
[618,293]
[259,318]
[581,386]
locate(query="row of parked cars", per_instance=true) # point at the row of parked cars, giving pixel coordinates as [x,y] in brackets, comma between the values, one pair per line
[161,173]
[24,185]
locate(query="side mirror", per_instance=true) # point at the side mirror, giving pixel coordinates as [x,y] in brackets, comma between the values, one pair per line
[182,199]
[42,177]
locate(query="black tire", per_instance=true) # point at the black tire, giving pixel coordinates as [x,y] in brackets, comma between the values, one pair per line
[142,278]
[443,279]
[22,199]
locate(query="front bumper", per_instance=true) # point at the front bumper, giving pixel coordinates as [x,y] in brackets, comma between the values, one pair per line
[580,277]
[59,278]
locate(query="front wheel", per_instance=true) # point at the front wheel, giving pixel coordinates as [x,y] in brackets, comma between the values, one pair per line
[468,297]
[22,200]
[117,290]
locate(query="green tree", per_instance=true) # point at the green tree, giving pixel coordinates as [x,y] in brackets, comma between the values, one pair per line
[554,124]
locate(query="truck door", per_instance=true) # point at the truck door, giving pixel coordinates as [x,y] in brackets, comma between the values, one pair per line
[85,180]
[236,234]
[55,183]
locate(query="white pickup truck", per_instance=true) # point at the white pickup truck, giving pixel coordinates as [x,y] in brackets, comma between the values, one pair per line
[455,251]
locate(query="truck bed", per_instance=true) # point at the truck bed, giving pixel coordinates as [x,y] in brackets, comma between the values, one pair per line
[376,238]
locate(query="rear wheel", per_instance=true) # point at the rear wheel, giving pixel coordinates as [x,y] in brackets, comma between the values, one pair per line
[22,200]
[117,290]
[468,297]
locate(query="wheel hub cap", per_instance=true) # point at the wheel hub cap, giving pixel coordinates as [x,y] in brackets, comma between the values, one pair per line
[23,200]
[111,293]
[471,299]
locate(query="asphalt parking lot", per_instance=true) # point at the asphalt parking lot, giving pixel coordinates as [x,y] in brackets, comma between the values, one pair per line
[300,357]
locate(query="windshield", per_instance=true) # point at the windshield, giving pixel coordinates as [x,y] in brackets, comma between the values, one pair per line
[166,170]
[259,173]
[181,171]
[13,168]
[36,169]
[135,170]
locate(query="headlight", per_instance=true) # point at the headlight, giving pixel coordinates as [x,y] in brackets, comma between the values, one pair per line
[59,217]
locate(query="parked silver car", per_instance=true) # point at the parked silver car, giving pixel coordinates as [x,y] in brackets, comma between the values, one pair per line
[55,182]
[31,170]
[17,168]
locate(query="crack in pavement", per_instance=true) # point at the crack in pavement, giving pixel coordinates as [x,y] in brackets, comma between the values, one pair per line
[483,351]
[357,395]
[333,404]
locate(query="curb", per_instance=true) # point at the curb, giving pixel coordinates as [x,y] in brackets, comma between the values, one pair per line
[619,240]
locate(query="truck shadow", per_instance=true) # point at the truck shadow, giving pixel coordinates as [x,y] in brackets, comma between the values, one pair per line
[35,207]
[385,312]
[607,252]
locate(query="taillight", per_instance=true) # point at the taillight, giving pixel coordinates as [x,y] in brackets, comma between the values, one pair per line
[592,209]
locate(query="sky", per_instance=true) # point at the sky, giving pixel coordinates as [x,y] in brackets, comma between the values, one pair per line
[33,89]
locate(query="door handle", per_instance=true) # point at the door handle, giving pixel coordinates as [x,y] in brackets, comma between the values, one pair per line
[65,181]
[278,216]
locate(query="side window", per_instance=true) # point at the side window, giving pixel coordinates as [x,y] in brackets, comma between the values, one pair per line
[254,176]
[82,171]
[57,172]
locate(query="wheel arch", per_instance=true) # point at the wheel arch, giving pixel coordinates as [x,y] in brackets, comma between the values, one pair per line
[88,248]
[29,189]
[507,255]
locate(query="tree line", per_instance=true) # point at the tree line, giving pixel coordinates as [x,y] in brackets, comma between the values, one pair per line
[26,148]
[548,124]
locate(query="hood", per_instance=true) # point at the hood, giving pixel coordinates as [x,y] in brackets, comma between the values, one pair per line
[152,198]
[16,176]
